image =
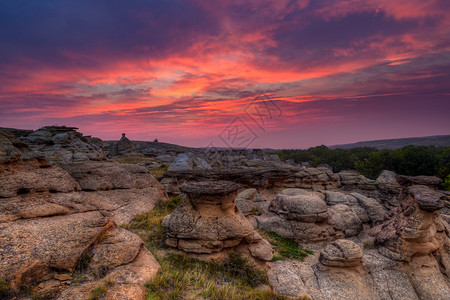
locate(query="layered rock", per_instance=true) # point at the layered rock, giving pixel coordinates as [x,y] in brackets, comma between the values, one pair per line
[184,162]
[431,182]
[388,189]
[61,144]
[53,225]
[341,253]
[315,217]
[207,221]
[317,179]
[340,275]
[413,226]
[124,147]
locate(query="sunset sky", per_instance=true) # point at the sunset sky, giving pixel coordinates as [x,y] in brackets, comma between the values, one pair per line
[278,73]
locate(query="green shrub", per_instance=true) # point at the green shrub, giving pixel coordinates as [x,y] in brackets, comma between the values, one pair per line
[446,184]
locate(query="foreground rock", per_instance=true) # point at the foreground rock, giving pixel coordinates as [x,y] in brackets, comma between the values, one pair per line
[59,221]
[208,221]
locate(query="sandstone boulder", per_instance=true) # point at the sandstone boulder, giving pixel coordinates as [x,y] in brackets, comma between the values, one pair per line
[431,182]
[412,229]
[180,163]
[285,280]
[343,218]
[244,200]
[208,221]
[307,207]
[341,253]
[388,188]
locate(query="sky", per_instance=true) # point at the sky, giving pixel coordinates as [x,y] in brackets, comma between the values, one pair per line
[238,73]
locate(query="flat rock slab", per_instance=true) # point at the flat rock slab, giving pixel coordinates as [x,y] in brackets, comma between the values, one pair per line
[209,188]
[29,248]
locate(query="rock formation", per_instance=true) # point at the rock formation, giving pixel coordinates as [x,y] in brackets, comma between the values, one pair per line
[61,144]
[208,221]
[184,162]
[58,225]
[415,228]
[315,217]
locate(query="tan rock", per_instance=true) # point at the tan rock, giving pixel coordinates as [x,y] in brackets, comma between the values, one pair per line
[63,277]
[341,253]
[208,221]
[32,248]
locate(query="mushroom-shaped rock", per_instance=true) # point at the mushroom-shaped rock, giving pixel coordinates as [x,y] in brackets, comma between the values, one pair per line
[413,226]
[432,182]
[341,253]
[307,207]
[426,199]
[208,221]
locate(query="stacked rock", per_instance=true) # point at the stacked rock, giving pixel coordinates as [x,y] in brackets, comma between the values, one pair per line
[208,221]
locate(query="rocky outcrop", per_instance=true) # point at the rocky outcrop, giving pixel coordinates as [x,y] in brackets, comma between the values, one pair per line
[317,179]
[244,200]
[207,221]
[388,189]
[58,225]
[413,226]
[431,182]
[124,147]
[183,162]
[341,253]
[285,280]
[315,217]
[61,144]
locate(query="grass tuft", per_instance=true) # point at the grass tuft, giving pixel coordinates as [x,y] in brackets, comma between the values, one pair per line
[98,292]
[182,277]
[5,290]
[159,171]
[286,248]
[368,245]
[83,262]
[151,222]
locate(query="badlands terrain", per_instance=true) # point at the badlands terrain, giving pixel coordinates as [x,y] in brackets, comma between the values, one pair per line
[82,218]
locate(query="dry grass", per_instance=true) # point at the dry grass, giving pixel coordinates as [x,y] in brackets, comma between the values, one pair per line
[158,172]
[182,277]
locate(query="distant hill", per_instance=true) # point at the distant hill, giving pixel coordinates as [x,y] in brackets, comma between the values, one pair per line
[437,141]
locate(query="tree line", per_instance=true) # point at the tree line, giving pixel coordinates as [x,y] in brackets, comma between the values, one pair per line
[409,160]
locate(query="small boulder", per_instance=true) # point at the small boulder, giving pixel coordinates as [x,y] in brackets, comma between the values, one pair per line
[308,207]
[341,253]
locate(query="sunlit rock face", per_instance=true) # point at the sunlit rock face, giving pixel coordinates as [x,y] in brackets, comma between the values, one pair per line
[208,221]
[53,217]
